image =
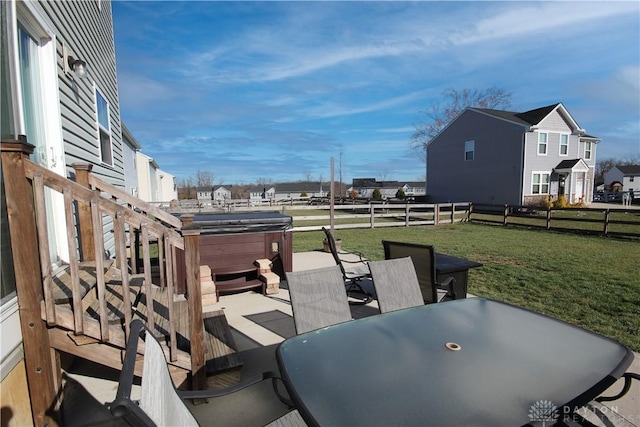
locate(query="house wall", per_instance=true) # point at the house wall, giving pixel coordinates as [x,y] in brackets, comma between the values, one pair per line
[68,122]
[130,169]
[144,177]
[494,174]
[554,125]
[167,190]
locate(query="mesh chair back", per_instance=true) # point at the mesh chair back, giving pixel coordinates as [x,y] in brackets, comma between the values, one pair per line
[396,284]
[424,262]
[318,298]
[159,402]
[334,250]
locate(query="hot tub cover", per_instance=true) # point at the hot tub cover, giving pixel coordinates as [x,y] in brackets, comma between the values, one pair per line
[244,222]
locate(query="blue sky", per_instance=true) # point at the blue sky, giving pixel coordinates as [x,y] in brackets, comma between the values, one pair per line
[272,90]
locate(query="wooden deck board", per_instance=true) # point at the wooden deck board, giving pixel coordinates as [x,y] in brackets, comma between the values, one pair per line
[115,303]
[86,273]
[220,348]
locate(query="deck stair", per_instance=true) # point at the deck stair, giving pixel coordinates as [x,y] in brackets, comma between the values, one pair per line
[86,308]
[220,349]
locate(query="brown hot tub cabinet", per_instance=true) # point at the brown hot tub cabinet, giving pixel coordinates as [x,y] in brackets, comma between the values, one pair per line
[231,243]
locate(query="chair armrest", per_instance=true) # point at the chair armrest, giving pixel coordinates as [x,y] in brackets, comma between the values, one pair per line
[448,285]
[205,394]
[628,376]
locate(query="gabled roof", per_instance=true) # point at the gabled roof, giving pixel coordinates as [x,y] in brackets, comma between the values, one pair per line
[573,164]
[629,169]
[533,117]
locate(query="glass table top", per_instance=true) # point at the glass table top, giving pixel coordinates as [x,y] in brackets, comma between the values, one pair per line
[465,362]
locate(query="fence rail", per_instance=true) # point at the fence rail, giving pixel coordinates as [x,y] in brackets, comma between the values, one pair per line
[376,215]
[605,221]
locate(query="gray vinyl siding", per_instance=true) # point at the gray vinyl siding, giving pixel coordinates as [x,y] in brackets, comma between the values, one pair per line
[554,122]
[494,176]
[87,32]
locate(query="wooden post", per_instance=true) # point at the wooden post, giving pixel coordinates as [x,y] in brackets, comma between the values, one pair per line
[191,235]
[453,213]
[436,214]
[548,218]
[469,209]
[607,215]
[41,377]
[506,214]
[84,214]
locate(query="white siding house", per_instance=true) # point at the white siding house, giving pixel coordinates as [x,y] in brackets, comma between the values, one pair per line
[129,149]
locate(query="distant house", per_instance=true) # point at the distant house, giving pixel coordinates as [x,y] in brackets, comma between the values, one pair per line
[204,194]
[221,194]
[263,193]
[288,190]
[129,159]
[365,187]
[503,157]
[154,184]
[626,177]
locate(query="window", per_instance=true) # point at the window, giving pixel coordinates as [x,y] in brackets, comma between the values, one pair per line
[631,178]
[104,130]
[564,145]
[540,183]
[542,143]
[469,150]
[587,150]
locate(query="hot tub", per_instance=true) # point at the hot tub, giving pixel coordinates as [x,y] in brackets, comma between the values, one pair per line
[230,243]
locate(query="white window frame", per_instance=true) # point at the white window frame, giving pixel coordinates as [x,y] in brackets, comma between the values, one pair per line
[541,183]
[545,143]
[100,128]
[588,150]
[566,153]
[469,147]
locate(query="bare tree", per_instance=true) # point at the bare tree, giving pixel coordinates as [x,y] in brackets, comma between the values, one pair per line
[204,178]
[604,165]
[455,101]
[307,176]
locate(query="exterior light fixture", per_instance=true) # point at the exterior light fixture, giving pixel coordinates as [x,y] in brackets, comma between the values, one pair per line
[78,66]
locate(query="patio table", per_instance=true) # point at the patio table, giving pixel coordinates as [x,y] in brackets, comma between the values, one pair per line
[465,362]
[456,267]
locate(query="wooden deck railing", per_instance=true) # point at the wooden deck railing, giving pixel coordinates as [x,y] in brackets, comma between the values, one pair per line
[89,204]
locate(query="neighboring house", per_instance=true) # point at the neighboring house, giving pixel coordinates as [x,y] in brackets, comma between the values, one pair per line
[154,184]
[502,157]
[221,194]
[147,178]
[129,159]
[628,177]
[167,187]
[204,194]
[262,193]
[288,190]
[388,189]
[59,89]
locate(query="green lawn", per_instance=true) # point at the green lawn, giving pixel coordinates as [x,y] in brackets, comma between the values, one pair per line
[590,281]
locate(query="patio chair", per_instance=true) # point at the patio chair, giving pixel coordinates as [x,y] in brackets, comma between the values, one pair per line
[354,273]
[160,403]
[424,261]
[318,298]
[396,284]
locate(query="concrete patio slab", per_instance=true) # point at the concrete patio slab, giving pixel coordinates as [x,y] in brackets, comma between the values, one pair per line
[254,319]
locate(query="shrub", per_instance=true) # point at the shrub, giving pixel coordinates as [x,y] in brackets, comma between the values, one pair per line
[377,195]
[400,194]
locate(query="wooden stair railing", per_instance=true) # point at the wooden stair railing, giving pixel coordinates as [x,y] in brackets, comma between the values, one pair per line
[87,209]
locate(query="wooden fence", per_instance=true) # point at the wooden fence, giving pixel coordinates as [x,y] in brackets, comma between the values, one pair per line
[605,221]
[375,215]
